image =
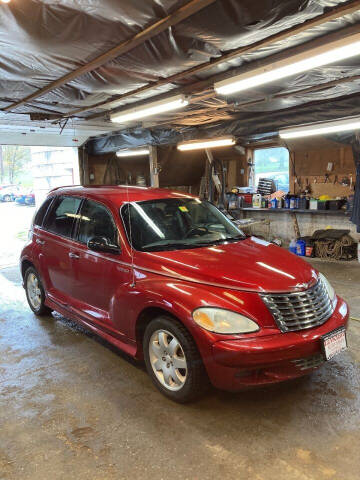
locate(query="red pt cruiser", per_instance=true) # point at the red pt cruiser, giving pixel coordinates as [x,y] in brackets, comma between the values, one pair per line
[169,279]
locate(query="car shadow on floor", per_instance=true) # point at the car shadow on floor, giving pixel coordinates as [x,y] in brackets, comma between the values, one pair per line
[62,330]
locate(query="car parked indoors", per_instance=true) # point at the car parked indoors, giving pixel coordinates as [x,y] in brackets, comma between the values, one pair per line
[170,280]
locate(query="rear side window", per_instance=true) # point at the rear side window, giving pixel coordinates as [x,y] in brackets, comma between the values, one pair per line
[62,215]
[96,221]
[40,214]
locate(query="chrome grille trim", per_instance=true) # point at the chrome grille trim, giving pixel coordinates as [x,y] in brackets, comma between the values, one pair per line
[300,310]
[309,362]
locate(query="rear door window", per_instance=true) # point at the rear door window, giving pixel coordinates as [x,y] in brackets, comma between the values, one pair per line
[62,215]
[96,221]
[40,214]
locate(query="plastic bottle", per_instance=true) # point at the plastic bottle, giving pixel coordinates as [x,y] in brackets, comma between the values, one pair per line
[300,248]
[292,203]
[287,200]
[292,247]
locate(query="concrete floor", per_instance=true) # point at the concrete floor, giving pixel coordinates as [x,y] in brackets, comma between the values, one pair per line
[73,407]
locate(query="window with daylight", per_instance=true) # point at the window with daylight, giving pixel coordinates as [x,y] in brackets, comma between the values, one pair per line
[272,163]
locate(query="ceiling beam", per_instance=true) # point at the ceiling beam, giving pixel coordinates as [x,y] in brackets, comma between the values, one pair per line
[190,8]
[234,107]
[200,87]
[333,14]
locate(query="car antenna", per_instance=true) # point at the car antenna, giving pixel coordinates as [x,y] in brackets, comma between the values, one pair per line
[133,283]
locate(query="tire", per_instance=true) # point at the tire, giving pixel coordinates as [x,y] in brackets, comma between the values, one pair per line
[6,198]
[36,299]
[185,383]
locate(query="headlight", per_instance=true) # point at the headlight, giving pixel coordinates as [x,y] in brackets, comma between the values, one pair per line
[223,321]
[329,288]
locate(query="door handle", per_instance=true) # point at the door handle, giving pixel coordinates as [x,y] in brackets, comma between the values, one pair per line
[74,255]
[40,242]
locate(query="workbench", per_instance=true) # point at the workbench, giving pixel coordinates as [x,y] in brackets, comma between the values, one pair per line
[288,223]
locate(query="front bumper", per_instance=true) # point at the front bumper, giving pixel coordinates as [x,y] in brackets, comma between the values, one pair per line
[274,358]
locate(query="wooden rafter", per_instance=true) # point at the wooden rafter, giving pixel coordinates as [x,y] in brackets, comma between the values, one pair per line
[333,14]
[190,8]
[234,108]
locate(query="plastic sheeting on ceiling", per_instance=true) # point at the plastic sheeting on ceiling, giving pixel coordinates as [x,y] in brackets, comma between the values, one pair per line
[41,40]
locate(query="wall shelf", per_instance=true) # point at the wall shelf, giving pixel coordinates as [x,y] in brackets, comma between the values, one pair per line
[341,213]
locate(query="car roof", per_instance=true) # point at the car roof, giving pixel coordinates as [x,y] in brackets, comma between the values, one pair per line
[119,194]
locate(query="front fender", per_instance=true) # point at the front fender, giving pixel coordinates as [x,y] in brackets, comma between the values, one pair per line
[179,298]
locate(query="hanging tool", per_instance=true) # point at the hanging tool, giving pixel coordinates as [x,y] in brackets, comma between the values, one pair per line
[307,189]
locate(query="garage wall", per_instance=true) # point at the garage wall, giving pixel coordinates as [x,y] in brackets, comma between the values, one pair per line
[309,159]
[281,224]
[179,170]
[312,165]
[108,169]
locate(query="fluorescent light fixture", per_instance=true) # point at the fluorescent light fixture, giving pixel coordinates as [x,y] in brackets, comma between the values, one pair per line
[343,125]
[154,108]
[205,144]
[133,153]
[316,57]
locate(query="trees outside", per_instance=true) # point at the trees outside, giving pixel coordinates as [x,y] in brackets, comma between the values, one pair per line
[273,163]
[14,161]
[271,160]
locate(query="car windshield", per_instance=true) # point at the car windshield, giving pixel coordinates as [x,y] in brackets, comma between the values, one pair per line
[173,224]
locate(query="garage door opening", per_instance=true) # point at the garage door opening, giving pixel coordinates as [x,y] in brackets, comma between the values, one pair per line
[26,176]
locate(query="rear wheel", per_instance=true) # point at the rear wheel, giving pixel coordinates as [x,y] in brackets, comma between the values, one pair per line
[35,293]
[7,198]
[173,361]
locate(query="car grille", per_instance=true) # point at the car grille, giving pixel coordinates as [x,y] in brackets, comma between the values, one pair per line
[300,310]
[309,362]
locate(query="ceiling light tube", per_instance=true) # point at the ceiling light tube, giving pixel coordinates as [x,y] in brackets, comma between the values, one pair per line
[205,144]
[133,153]
[316,57]
[154,108]
[324,128]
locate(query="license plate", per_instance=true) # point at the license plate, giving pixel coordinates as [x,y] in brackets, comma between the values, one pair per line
[334,343]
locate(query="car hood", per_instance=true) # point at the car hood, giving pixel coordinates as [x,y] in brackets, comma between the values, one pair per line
[251,264]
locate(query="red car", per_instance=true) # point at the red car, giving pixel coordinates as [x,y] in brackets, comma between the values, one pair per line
[169,279]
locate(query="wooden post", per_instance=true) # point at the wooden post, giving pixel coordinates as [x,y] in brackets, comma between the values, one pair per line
[83,166]
[154,167]
[295,224]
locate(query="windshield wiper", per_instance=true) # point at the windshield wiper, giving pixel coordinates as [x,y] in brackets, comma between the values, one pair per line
[228,239]
[173,246]
[182,246]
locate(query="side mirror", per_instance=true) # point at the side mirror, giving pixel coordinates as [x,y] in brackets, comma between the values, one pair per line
[102,244]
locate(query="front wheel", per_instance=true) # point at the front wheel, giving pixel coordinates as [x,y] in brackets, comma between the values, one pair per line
[7,198]
[35,293]
[173,361]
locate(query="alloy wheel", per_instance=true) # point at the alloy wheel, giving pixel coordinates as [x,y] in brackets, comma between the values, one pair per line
[168,360]
[34,292]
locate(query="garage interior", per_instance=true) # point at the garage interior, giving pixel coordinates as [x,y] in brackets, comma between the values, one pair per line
[72,405]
